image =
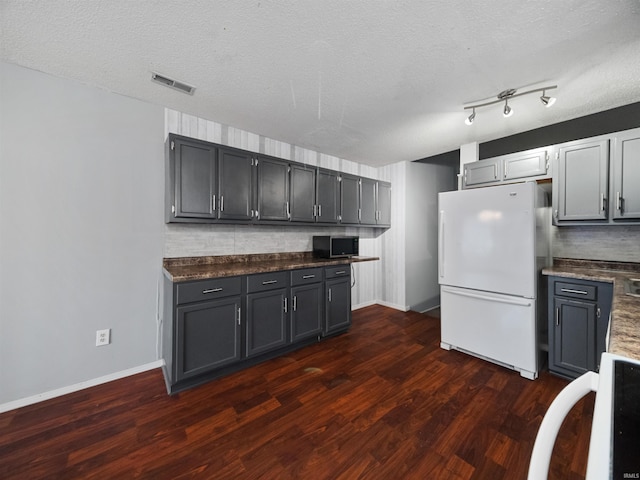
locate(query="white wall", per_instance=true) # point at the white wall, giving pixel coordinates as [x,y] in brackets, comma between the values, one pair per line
[424,182]
[81,231]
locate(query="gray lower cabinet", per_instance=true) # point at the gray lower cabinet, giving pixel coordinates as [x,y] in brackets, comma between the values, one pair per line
[625,172]
[578,320]
[208,336]
[580,186]
[218,326]
[337,299]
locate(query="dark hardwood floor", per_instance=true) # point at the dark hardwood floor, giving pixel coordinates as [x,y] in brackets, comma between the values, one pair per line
[380,402]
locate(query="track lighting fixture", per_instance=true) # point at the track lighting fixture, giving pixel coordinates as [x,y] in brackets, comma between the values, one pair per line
[508,94]
[546,101]
[508,111]
[471,118]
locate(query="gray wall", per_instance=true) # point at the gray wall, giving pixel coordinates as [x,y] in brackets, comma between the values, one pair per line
[81,231]
[424,182]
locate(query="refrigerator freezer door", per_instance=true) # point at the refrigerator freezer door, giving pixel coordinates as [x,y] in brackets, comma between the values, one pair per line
[497,327]
[487,239]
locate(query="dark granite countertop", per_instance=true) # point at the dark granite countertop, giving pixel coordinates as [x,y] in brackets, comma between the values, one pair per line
[201,268]
[625,310]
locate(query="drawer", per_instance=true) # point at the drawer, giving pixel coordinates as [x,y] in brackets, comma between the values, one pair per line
[208,289]
[338,271]
[307,275]
[575,290]
[267,281]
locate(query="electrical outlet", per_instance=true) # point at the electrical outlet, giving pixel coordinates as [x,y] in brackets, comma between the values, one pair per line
[103,337]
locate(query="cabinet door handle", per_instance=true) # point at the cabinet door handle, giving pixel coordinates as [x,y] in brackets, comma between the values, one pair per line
[222,203]
[238,315]
[603,201]
[305,277]
[211,290]
[341,272]
[557,317]
[571,290]
[286,204]
[269,282]
[598,312]
[295,303]
[329,295]
[495,171]
[319,210]
[213,203]
[285,305]
[315,210]
[618,201]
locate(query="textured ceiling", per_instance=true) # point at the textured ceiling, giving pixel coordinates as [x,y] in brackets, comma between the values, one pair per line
[375,81]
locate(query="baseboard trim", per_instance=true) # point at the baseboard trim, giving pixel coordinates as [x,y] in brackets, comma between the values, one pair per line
[363,305]
[393,305]
[58,392]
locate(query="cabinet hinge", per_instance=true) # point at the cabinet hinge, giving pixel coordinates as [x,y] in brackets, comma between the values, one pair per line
[557,155]
[339,178]
[173,145]
[256,162]
[288,169]
[173,209]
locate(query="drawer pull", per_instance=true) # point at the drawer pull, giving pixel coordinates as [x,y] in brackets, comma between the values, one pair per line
[211,290]
[270,282]
[341,272]
[571,290]
[305,277]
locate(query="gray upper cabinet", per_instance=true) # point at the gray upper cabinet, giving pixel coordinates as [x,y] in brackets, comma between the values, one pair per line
[327,196]
[484,172]
[192,171]
[368,208]
[349,199]
[531,163]
[273,189]
[235,172]
[211,183]
[383,201]
[580,188]
[625,172]
[302,197]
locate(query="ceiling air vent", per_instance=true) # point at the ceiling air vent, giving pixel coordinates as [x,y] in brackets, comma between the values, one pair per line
[169,82]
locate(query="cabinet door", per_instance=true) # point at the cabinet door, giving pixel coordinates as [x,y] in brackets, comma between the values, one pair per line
[195,179]
[368,208]
[273,189]
[482,172]
[306,311]
[266,321]
[626,176]
[532,163]
[207,336]
[338,304]
[573,337]
[235,170]
[327,197]
[303,185]
[349,199]
[383,198]
[583,177]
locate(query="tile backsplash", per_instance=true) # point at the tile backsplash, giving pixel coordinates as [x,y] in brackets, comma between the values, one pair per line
[607,242]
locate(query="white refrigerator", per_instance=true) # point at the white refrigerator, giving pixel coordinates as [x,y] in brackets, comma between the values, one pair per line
[493,243]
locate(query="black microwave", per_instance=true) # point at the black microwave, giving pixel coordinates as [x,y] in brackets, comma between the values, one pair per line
[335,247]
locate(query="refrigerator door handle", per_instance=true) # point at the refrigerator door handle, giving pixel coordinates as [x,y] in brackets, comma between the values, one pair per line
[510,301]
[441,245]
[546,438]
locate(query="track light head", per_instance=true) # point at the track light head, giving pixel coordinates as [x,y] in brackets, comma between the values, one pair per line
[547,101]
[508,111]
[469,120]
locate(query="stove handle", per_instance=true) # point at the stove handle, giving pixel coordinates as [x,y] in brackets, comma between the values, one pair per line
[560,407]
